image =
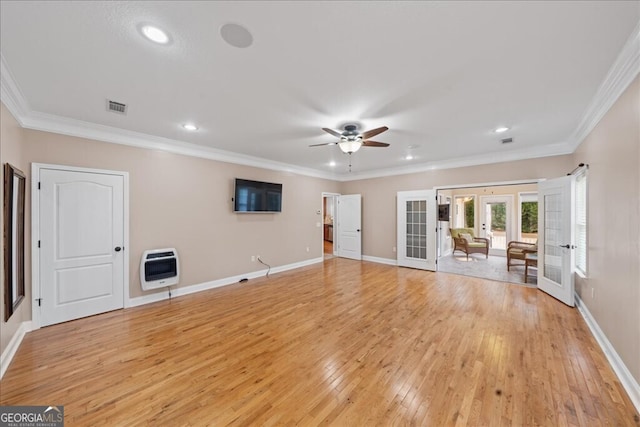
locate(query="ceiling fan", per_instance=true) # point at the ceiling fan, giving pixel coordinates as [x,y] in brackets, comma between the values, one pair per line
[351,140]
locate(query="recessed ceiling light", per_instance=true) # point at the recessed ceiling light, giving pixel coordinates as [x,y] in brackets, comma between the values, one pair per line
[190,126]
[332,163]
[155,34]
[501,129]
[409,157]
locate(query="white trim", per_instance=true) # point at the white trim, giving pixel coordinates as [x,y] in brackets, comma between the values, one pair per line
[161,296]
[10,93]
[623,71]
[379,260]
[626,379]
[11,349]
[484,159]
[35,230]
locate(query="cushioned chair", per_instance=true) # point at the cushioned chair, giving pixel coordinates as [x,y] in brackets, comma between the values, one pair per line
[465,241]
[518,250]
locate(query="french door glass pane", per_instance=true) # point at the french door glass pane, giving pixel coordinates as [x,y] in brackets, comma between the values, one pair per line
[416,229]
[552,249]
[496,217]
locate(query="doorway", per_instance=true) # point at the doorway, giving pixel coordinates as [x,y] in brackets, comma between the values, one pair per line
[329,202]
[496,217]
[488,210]
[80,221]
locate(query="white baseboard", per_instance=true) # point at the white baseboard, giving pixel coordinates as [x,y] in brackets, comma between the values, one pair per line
[626,379]
[164,294]
[14,344]
[379,260]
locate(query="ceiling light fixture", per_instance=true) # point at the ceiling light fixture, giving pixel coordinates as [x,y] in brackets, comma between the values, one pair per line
[409,157]
[350,145]
[155,34]
[190,126]
[332,163]
[501,129]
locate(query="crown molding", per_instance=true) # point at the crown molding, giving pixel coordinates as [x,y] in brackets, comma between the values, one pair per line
[460,162]
[11,94]
[623,71]
[77,128]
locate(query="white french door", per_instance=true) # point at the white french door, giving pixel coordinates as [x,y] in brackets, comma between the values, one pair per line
[496,222]
[416,234]
[349,213]
[556,244]
[81,236]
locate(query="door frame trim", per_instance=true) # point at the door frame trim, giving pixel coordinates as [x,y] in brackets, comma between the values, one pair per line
[35,231]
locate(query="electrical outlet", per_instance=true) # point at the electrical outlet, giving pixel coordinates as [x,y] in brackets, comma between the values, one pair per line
[307,248]
[593,293]
[394,249]
[253,258]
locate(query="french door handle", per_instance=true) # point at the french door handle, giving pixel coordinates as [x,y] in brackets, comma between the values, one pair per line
[568,246]
[117,249]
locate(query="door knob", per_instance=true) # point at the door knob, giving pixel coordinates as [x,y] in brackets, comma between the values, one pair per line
[118,249]
[358,230]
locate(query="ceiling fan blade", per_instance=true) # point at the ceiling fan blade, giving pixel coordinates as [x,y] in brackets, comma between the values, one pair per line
[373,132]
[374,144]
[332,132]
[326,143]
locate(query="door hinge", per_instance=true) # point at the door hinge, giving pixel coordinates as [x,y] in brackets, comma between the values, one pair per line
[38,243]
[39,301]
[38,185]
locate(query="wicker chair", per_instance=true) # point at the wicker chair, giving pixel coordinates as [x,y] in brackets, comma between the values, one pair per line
[518,250]
[475,245]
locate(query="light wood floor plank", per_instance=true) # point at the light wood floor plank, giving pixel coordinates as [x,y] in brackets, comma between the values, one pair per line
[342,343]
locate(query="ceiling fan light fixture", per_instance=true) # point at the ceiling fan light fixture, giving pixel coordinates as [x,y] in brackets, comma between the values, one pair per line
[501,129]
[350,146]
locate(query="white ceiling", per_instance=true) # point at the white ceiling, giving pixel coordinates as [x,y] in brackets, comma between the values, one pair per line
[440,75]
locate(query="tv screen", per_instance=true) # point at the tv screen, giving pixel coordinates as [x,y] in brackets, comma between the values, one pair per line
[443,212]
[257,196]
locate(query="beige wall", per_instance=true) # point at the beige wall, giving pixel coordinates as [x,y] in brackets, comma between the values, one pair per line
[11,151]
[379,194]
[185,202]
[612,151]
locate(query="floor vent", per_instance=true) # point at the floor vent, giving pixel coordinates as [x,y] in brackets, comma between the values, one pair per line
[116,107]
[506,140]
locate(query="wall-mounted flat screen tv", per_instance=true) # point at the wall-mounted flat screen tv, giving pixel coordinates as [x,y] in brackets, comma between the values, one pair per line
[257,196]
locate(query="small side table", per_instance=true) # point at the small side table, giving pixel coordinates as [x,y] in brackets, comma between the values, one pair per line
[530,260]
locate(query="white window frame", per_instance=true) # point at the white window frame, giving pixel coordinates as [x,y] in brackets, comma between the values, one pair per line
[582,222]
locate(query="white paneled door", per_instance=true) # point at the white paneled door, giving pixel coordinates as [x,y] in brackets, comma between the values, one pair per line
[416,235]
[349,210]
[556,244]
[81,236]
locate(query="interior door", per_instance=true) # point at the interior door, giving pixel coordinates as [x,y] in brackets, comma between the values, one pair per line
[416,234]
[81,238]
[556,238]
[496,222]
[349,210]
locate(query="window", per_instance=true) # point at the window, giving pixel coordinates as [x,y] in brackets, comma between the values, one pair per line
[528,218]
[581,222]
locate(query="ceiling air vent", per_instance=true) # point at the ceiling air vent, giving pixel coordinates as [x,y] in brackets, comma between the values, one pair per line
[506,140]
[116,107]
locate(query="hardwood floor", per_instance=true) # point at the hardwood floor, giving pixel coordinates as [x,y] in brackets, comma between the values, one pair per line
[340,343]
